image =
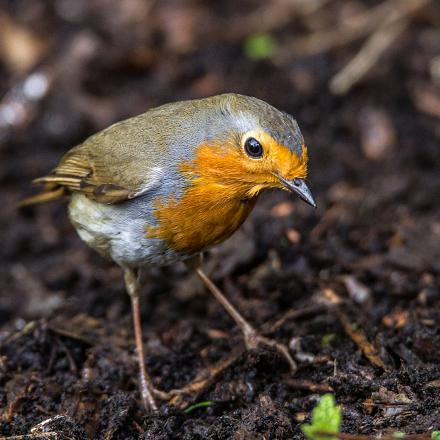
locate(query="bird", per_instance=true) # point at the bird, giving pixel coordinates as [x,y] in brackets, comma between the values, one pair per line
[173,182]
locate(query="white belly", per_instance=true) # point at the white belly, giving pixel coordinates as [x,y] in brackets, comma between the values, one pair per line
[118,231]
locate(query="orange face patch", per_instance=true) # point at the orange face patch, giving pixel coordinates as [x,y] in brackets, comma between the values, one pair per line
[223,187]
[277,159]
[228,165]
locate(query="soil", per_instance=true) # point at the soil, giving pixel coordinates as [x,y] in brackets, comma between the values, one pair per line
[352,288]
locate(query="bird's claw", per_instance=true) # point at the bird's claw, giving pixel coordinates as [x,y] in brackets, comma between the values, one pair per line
[177,397]
[254,340]
[163,395]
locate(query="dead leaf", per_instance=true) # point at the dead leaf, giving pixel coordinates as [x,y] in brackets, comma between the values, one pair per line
[396,319]
[20,48]
[283,209]
[360,339]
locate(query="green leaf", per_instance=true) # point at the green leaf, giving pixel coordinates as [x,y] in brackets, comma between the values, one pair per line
[326,418]
[399,434]
[204,404]
[327,339]
[261,46]
[435,435]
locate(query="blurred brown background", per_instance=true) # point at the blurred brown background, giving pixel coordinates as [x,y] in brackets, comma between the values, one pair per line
[363,80]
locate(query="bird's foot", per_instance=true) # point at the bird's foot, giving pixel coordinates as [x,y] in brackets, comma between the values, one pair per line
[253,340]
[182,396]
[176,396]
[204,379]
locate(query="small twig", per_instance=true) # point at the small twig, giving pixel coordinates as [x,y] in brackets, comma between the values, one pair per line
[14,405]
[346,436]
[359,338]
[354,28]
[72,364]
[303,384]
[427,99]
[366,58]
[271,327]
[70,335]
[53,352]
[358,26]
[271,17]
[42,410]
[45,430]
[138,427]
[45,436]
[329,217]
[387,31]
[203,380]
[26,330]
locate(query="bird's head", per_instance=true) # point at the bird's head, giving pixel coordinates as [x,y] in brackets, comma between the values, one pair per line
[252,146]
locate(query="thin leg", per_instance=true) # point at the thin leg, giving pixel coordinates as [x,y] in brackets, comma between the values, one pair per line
[251,337]
[146,386]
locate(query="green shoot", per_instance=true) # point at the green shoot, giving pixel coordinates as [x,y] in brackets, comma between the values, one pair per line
[261,46]
[326,419]
[327,339]
[204,404]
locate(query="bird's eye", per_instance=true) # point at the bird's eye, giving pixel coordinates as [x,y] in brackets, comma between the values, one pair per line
[253,148]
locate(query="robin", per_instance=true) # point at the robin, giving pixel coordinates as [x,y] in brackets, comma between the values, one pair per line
[168,184]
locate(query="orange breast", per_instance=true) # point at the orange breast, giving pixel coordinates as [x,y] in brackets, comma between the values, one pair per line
[221,192]
[203,217]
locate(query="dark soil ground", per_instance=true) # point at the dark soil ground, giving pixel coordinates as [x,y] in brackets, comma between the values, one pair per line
[352,287]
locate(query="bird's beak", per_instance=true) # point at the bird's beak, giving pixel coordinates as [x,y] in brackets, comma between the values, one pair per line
[300,187]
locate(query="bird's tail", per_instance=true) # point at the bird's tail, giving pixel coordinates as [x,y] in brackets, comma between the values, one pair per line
[50,191]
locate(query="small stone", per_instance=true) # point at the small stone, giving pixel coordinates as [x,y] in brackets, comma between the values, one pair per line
[378,135]
[283,209]
[293,235]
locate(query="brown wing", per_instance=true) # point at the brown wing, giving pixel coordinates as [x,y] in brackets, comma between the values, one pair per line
[76,172]
[123,161]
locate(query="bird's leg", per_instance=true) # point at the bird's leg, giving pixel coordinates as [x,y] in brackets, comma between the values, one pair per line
[251,337]
[148,392]
[131,278]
